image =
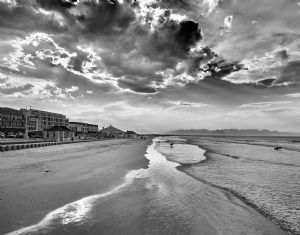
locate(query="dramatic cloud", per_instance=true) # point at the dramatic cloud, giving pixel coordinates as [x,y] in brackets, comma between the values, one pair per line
[223,56]
[140,59]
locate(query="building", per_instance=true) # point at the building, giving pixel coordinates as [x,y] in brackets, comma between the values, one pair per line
[33,123]
[11,120]
[112,132]
[42,120]
[58,133]
[92,128]
[79,127]
[131,134]
[83,129]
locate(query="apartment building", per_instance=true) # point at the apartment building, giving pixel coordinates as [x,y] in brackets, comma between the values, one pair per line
[43,120]
[11,120]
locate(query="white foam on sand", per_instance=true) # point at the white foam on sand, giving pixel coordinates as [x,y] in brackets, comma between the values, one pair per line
[74,212]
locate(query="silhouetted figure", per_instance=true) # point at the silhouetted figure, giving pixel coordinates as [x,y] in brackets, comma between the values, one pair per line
[171,145]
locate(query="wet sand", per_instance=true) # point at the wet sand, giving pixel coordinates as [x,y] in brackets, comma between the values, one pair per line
[36,181]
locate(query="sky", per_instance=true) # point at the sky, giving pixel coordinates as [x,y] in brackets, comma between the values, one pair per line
[154,65]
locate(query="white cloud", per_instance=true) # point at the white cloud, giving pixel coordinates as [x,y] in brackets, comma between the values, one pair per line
[11,3]
[188,104]
[293,95]
[228,23]
[43,47]
[146,9]
[72,89]
[259,67]
[263,104]
[178,77]
[211,4]
[38,89]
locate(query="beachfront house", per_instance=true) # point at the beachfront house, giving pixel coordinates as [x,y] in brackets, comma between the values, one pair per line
[58,133]
[112,132]
[131,134]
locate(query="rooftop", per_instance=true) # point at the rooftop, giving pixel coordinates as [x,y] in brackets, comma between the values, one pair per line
[111,129]
[59,128]
[7,110]
[130,132]
[83,123]
[78,123]
[42,111]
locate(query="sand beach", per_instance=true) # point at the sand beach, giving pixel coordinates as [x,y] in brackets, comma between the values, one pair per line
[36,181]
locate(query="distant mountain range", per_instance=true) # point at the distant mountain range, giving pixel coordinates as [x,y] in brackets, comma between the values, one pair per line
[232,132]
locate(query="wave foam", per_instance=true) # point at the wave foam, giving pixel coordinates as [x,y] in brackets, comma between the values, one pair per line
[76,211]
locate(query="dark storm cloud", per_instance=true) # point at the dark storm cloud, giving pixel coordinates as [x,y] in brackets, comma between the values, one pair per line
[213,64]
[188,34]
[283,54]
[136,86]
[266,82]
[88,17]
[57,4]
[180,4]
[26,18]
[290,73]
[169,44]
[172,40]
[223,68]
[107,17]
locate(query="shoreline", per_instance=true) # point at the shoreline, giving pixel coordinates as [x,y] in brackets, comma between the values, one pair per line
[184,167]
[239,196]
